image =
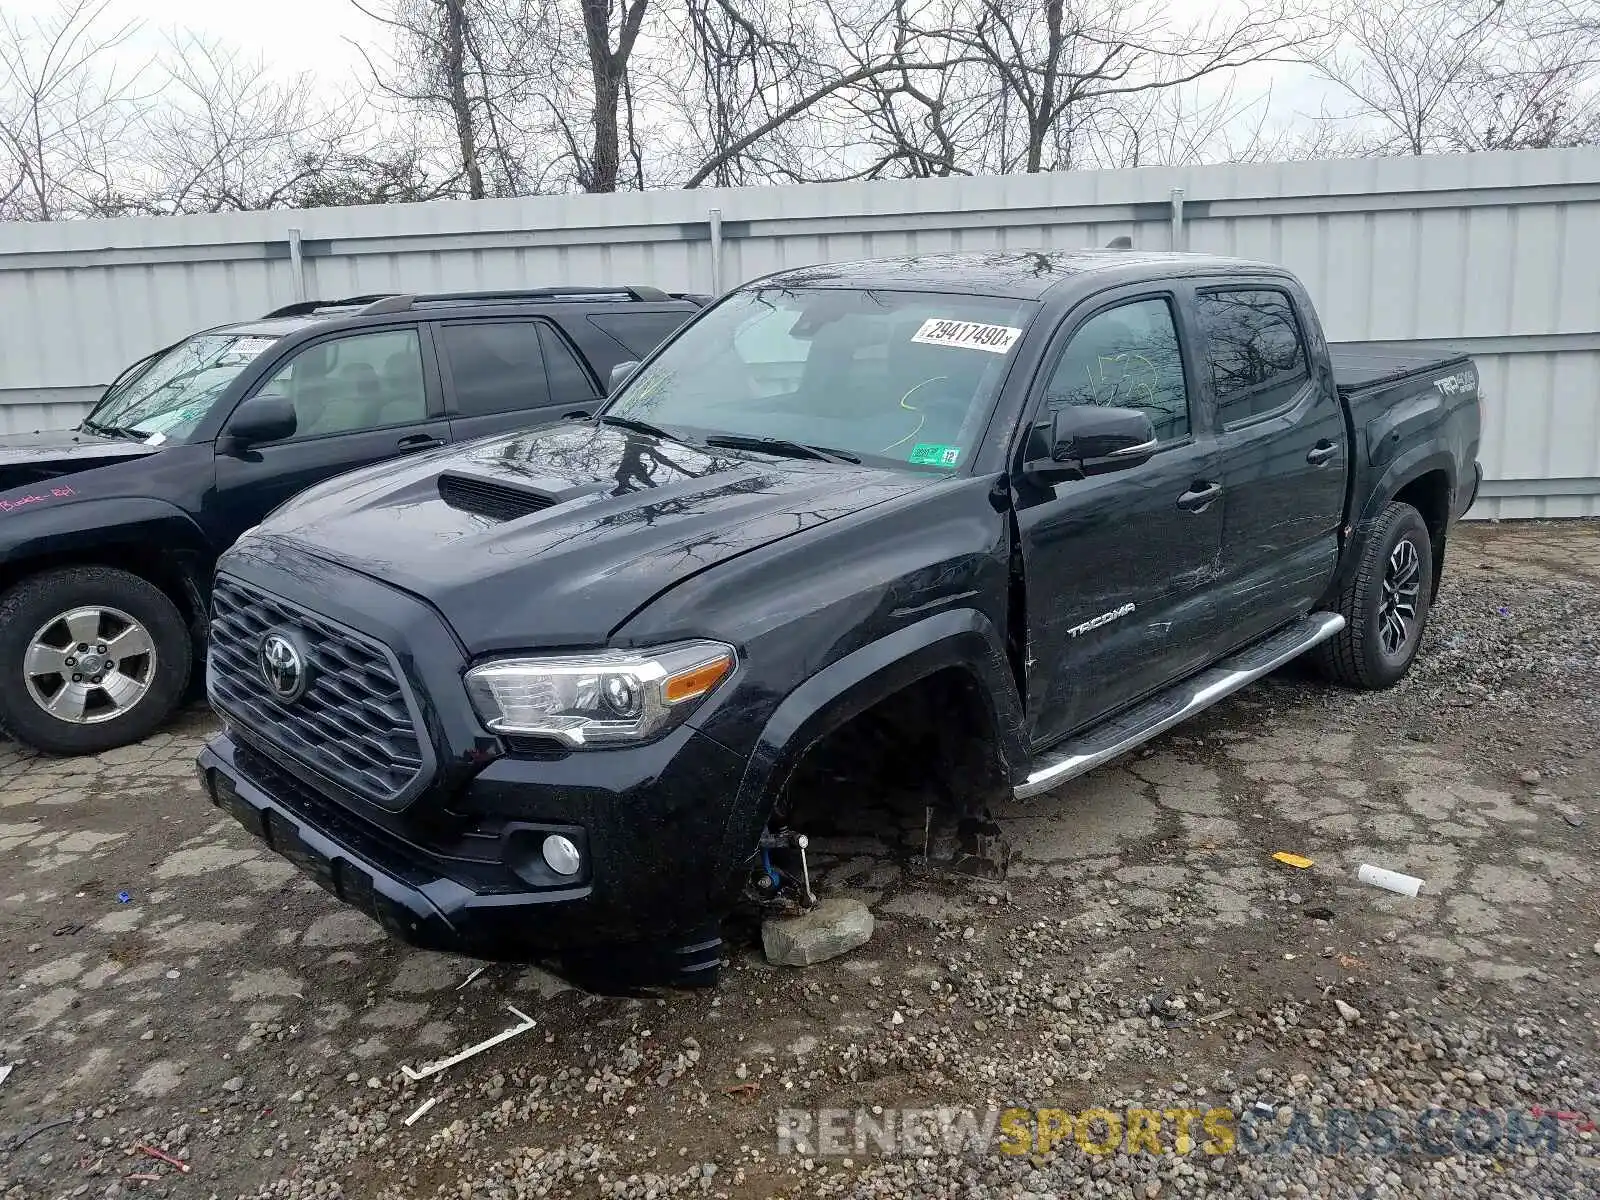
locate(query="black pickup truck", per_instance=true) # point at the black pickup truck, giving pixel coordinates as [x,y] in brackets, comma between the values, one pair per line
[546,692]
[109,532]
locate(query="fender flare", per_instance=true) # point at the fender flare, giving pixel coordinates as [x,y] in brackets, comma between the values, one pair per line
[964,639]
[1403,470]
[1385,487]
[86,528]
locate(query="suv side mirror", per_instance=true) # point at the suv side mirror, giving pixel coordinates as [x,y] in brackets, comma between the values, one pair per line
[262,419]
[1089,440]
[619,375]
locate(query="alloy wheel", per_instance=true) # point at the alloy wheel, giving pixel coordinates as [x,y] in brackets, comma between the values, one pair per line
[1402,585]
[89,665]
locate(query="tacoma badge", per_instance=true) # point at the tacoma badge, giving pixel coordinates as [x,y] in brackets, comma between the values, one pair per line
[1116,614]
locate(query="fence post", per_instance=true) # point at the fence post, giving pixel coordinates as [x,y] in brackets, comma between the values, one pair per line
[716,251]
[297,265]
[1180,240]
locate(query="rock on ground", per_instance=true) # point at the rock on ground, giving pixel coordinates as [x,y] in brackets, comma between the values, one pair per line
[832,928]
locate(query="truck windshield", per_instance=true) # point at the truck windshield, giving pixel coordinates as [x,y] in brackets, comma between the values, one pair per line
[904,377]
[166,400]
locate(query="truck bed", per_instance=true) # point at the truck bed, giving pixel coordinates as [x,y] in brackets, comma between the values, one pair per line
[1358,366]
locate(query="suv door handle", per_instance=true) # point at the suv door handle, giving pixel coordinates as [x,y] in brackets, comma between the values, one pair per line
[419,441]
[1199,495]
[1322,452]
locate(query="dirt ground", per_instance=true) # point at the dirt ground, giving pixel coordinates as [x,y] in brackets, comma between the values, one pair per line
[169,987]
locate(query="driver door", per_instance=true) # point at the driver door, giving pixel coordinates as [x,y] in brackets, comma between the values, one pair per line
[358,399]
[1119,566]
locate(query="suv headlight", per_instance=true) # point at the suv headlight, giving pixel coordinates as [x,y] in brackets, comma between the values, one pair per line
[606,697]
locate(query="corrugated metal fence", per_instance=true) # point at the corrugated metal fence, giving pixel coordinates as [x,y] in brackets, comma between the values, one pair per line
[1494,254]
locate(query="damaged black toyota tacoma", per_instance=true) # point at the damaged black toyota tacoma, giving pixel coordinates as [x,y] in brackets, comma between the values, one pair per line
[545,693]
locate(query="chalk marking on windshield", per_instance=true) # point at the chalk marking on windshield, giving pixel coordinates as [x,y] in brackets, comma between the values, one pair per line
[922,417]
[967,335]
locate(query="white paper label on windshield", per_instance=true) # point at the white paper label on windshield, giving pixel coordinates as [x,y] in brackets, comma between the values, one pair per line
[969,335]
[248,347]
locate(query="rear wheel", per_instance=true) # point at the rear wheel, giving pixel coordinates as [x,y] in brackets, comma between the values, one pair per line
[1385,605]
[90,658]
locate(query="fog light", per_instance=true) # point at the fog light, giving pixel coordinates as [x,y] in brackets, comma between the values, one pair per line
[560,855]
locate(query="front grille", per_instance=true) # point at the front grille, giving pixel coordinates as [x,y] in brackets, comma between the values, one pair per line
[484,498]
[352,724]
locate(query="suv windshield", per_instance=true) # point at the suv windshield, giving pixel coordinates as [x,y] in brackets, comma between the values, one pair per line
[906,377]
[166,400]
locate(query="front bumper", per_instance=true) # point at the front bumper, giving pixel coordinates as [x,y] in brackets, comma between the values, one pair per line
[648,873]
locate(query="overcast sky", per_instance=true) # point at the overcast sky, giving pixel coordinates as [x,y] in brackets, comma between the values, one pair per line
[293,35]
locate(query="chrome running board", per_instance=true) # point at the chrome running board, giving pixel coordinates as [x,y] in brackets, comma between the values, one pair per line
[1161,712]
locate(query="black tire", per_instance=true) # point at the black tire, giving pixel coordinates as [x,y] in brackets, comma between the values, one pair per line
[1358,655]
[33,602]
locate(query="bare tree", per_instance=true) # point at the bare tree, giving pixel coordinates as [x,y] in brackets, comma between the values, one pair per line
[63,112]
[1400,64]
[997,86]
[836,54]
[1537,94]
[372,177]
[610,28]
[506,78]
[745,58]
[1181,126]
[229,135]
[443,65]
[1436,76]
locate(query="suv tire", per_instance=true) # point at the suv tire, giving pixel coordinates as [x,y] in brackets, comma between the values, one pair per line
[77,617]
[1385,605]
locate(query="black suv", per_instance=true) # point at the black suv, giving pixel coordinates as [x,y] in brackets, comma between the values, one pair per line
[110,530]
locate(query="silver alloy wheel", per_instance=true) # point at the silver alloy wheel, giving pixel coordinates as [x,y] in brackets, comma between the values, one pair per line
[89,665]
[1402,583]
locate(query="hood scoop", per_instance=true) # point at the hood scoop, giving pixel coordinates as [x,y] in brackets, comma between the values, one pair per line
[492,499]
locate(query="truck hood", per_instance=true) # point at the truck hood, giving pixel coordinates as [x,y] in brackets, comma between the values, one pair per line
[555,536]
[27,458]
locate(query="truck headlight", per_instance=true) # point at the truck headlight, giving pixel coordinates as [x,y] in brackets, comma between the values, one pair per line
[605,697]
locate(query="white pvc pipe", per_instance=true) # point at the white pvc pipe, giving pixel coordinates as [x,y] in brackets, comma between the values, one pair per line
[1394,881]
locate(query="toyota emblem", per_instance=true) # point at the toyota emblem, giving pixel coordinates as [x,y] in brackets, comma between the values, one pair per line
[284,667]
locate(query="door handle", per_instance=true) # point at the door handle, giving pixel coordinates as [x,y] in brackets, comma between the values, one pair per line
[1322,452]
[1199,495]
[419,441]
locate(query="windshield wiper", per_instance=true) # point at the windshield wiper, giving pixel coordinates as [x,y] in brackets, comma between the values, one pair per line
[780,446]
[111,431]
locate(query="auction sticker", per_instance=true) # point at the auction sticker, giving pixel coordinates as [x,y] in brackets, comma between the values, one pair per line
[247,348]
[969,335]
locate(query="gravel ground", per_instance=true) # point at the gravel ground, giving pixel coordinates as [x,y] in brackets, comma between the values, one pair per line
[1144,952]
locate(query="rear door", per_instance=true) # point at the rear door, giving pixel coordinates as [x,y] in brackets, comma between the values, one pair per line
[1120,566]
[501,375]
[359,398]
[1282,433]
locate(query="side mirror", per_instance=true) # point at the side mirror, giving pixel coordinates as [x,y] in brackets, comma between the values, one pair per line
[1089,440]
[262,419]
[619,375]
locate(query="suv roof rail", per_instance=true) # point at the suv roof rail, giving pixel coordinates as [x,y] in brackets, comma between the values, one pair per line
[304,308]
[401,303]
